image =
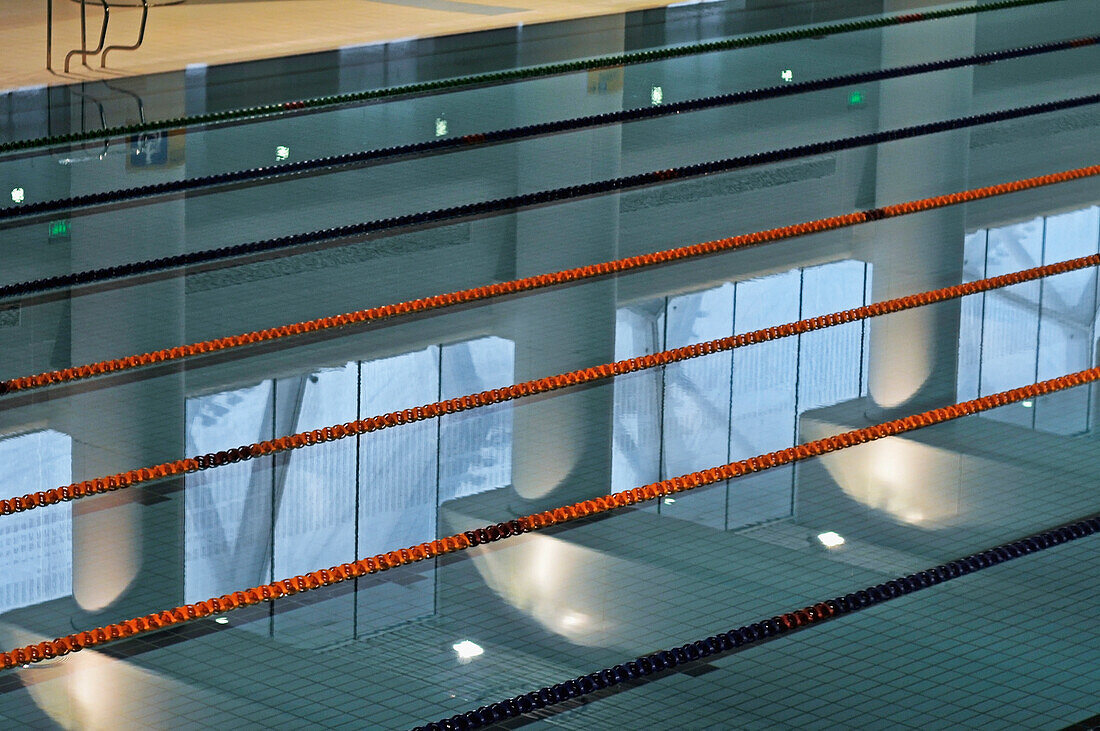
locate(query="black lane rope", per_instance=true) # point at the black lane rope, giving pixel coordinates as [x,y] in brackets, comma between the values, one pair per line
[664,660]
[499,77]
[332,163]
[543,197]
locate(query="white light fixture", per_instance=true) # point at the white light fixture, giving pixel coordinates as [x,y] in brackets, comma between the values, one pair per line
[282,152]
[656,95]
[669,500]
[1027,404]
[787,75]
[830,539]
[17,195]
[467,649]
[222,620]
[440,126]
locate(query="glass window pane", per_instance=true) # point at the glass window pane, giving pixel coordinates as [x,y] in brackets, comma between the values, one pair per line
[1068,236]
[1064,348]
[316,501]
[227,524]
[476,446]
[696,415]
[1065,331]
[1011,318]
[397,502]
[636,452]
[830,363]
[763,397]
[398,483]
[970,325]
[865,365]
[36,547]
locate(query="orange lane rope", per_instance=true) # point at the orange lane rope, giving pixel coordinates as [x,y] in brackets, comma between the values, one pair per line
[585,508]
[540,281]
[529,388]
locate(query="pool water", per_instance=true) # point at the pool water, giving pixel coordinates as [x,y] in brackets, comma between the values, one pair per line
[1011,646]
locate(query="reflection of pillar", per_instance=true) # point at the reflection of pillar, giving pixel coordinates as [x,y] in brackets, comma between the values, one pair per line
[562,445]
[127,545]
[913,355]
[865,493]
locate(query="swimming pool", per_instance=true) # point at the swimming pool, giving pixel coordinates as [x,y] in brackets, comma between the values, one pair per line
[516,361]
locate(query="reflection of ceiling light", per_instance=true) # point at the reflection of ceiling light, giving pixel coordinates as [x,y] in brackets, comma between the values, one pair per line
[830,539]
[440,127]
[1027,404]
[282,152]
[669,500]
[17,195]
[573,619]
[787,75]
[222,620]
[467,649]
[656,95]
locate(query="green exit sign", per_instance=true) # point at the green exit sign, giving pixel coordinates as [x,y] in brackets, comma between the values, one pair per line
[856,99]
[59,230]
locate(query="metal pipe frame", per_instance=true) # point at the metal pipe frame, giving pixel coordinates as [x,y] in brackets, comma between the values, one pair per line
[49,35]
[140,40]
[83,51]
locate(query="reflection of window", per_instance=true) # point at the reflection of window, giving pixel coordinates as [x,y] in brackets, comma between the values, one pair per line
[314,488]
[1032,331]
[322,505]
[728,406]
[36,547]
[475,446]
[227,510]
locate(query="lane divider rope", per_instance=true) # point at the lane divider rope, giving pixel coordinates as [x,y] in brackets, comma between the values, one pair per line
[538,198]
[548,384]
[130,478]
[259,113]
[724,642]
[535,282]
[333,163]
[518,202]
[48,649]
